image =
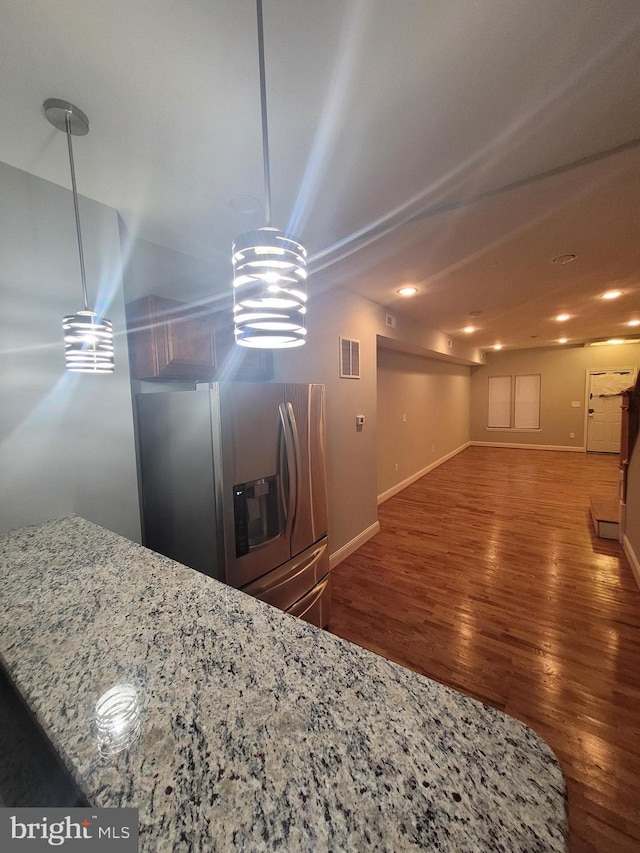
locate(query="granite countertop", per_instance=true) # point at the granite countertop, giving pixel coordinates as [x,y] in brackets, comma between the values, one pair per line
[256,731]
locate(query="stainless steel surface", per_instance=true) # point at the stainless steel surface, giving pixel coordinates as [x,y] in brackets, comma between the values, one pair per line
[58,112]
[307,402]
[288,474]
[233,483]
[73,121]
[177,439]
[263,114]
[76,209]
[250,435]
[286,584]
[315,606]
[249,428]
[296,461]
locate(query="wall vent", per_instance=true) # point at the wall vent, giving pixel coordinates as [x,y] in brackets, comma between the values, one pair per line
[390,321]
[349,359]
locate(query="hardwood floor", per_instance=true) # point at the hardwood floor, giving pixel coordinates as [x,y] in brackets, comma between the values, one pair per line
[487,576]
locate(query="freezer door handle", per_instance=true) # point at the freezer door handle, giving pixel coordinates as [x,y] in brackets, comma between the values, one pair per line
[285,585]
[289,504]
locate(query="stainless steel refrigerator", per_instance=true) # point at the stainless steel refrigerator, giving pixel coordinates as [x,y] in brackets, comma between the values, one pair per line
[234,485]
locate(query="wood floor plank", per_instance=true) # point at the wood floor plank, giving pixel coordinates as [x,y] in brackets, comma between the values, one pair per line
[487,576]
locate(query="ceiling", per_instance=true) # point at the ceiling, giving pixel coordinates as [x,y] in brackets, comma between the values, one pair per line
[455,145]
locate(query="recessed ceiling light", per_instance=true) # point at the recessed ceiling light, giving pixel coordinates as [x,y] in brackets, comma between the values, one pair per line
[562,340]
[612,294]
[563,259]
[408,291]
[469,329]
[562,317]
[633,323]
[497,346]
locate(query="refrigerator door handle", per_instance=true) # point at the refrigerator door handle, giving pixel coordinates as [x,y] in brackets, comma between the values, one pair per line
[289,505]
[296,450]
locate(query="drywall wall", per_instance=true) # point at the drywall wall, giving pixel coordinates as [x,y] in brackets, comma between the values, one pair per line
[351,452]
[66,440]
[632,528]
[433,396]
[151,269]
[563,380]
[407,335]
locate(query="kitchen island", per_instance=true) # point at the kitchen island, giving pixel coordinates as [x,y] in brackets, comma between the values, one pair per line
[246,729]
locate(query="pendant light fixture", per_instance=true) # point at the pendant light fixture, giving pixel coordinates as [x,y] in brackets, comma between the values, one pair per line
[269,266]
[88,338]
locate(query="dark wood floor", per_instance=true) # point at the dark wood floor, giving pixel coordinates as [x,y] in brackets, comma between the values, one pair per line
[487,576]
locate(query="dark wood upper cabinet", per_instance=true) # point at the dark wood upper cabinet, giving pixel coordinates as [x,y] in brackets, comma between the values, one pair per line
[171,340]
[168,340]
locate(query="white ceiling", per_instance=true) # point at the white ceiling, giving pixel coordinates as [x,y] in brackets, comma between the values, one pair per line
[455,144]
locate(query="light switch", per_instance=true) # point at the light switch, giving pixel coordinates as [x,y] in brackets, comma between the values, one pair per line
[359,420]
[404,419]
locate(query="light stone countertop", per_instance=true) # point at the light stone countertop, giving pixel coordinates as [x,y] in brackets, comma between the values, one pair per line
[257,731]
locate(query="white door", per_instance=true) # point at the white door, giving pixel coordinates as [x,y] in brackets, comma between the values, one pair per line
[604,412]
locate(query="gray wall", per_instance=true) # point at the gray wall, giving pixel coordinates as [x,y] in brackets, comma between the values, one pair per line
[351,464]
[632,530]
[563,377]
[66,440]
[151,269]
[434,396]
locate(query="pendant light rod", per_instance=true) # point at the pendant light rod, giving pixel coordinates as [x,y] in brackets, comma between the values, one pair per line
[263,108]
[77,211]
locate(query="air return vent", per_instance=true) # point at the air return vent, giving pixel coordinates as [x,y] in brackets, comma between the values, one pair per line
[349,359]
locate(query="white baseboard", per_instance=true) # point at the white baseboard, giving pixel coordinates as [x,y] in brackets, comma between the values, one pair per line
[633,560]
[528,446]
[389,493]
[348,549]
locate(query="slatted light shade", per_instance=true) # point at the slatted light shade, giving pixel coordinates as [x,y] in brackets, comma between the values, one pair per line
[88,343]
[88,338]
[269,290]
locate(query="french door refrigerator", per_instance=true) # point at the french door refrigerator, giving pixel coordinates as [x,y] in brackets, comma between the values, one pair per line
[234,485]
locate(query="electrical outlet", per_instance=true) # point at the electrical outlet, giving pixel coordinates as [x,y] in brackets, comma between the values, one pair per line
[396,466]
[572,435]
